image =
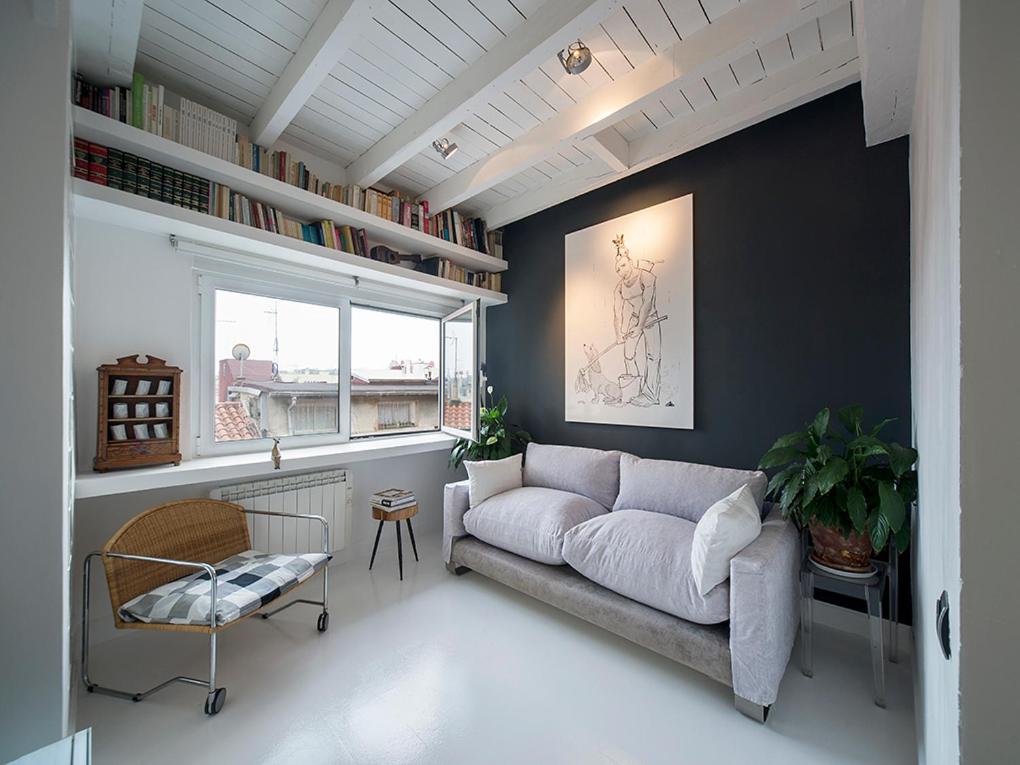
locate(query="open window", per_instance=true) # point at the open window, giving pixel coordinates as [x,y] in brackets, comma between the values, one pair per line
[459,352]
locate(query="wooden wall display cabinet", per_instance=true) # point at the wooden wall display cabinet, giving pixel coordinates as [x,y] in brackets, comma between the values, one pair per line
[139,414]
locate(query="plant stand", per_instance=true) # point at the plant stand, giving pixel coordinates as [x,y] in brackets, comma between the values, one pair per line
[870,589]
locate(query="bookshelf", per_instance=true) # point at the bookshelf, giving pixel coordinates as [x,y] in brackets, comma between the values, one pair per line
[291,200]
[120,208]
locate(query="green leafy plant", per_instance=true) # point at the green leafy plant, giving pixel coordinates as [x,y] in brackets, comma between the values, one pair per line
[844,478]
[496,438]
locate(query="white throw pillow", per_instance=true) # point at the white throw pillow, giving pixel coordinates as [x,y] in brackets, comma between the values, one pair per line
[726,528]
[486,478]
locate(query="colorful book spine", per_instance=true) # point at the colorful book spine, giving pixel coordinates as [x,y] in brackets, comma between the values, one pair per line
[97,164]
[81,158]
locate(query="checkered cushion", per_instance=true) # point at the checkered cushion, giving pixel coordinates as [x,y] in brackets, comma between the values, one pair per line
[244,583]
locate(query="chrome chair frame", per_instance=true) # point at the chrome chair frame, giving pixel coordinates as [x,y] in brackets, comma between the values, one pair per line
[216,696]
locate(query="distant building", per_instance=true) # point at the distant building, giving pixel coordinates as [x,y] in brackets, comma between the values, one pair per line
[402,398]
[232,371]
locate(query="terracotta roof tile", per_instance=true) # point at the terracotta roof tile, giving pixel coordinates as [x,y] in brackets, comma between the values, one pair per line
[458,415]
[233,423]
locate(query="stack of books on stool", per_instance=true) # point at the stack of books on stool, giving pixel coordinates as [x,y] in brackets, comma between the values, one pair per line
[390,500]
[394,505]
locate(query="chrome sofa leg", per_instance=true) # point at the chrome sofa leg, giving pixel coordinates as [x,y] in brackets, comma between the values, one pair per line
[453,568]
[756,712]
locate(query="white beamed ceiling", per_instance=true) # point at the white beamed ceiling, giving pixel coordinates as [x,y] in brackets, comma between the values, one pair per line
[230,53]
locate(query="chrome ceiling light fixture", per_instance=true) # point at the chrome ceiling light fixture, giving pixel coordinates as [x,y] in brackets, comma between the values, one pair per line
[575,58]
[444,147]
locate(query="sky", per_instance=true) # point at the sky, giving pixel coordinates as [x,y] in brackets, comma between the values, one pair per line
[310,336]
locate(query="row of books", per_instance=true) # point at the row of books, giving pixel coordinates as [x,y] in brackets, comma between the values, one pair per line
[138,175]
[393,499]
[494,243]
[155,109]
[469,232]
[447,269]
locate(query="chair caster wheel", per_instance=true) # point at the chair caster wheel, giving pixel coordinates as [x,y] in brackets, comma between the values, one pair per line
[215,700]
[323,623]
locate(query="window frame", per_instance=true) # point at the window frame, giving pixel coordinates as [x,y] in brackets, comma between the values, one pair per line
[474,310]
[439,384]
[342,293]
[208,284]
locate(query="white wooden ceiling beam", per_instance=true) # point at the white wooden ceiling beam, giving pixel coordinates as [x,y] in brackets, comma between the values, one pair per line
[106,39]
[791,87]
[611,147]
[549,29]
[337,27]
[752,24]
[890,43]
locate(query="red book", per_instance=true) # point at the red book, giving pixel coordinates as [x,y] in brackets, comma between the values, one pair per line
[81,158]
[98,156]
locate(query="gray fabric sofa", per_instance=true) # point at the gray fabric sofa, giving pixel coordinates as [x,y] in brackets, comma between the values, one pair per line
[748,628]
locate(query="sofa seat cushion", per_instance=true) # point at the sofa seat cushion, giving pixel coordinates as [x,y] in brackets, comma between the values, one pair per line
[530,521]
[645,556]
[683,489]
[244,583]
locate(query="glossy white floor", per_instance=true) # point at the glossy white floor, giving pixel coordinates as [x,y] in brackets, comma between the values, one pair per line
[444,669]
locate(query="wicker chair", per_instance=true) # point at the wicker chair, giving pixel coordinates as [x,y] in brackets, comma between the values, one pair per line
[158,547]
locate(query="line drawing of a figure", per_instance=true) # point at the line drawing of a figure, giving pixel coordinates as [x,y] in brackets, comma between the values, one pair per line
[637,327]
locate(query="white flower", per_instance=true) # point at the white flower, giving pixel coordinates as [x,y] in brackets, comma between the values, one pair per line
[489,389]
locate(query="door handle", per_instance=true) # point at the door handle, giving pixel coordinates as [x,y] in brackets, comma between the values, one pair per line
[942,623]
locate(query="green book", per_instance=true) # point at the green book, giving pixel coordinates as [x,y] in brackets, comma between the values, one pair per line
[142,185]
[137,85]
[115,169]
[130,173]
[155,180]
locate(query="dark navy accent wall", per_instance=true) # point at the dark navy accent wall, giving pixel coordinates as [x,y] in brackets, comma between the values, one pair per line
[801,288]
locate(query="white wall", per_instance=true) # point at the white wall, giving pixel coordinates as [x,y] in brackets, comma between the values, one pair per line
[966,372]
[134,295]
[990,341]
[35,312]
[935,349]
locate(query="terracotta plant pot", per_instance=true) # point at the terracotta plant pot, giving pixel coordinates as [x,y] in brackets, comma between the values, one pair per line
[832,549]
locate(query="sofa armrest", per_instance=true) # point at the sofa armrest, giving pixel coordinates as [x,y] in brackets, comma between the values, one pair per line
[455,504]
[763,609]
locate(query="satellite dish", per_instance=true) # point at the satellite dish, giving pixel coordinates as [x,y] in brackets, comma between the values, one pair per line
[241,352]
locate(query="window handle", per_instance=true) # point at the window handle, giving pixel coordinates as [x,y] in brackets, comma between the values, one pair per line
[942,623]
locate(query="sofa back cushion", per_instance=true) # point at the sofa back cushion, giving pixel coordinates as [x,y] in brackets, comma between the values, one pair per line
[592,473]
[683,489]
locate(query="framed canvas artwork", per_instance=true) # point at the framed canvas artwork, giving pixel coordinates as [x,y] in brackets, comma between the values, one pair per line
[629,347]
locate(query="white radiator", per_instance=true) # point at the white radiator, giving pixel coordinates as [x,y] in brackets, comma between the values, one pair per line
[327,493]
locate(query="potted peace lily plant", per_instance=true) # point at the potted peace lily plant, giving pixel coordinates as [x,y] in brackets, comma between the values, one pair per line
[497,439]
[850,488]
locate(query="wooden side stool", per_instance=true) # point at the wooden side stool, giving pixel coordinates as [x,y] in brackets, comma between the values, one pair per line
[400,514]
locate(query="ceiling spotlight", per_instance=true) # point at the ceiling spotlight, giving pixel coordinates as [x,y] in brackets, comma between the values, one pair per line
[576,58]
[445,148]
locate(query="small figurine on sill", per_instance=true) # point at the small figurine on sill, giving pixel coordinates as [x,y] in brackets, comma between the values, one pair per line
[276,454]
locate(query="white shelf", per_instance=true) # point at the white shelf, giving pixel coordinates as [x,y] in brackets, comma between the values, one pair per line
[256,465]
[289,199]
[120,208]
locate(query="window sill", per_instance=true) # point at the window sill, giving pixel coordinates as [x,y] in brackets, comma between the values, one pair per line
[256,465]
